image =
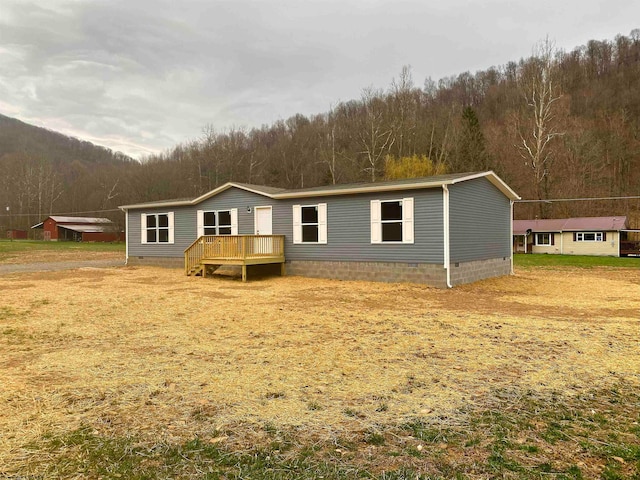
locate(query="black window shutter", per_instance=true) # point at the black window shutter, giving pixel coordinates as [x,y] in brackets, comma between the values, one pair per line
[553,238]
[575,236]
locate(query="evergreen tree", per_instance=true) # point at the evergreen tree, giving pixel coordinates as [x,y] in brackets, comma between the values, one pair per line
[472,154]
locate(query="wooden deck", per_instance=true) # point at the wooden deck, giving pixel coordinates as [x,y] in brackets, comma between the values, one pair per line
[243,250]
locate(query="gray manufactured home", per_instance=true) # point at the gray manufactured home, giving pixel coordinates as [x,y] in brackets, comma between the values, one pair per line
[443,230]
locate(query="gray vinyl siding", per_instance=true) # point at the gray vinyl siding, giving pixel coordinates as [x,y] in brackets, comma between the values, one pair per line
[240,199]
[479,222]
[349,229]
[348,226]
[185,222]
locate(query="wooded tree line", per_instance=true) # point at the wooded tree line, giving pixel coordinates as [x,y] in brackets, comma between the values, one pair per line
[554,125]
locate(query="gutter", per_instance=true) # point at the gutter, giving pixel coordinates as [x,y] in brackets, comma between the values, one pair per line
[126,235]
[447,249]
[511,243]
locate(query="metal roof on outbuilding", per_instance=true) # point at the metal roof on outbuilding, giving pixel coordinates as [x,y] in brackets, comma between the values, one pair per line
[62,220]
[84,228]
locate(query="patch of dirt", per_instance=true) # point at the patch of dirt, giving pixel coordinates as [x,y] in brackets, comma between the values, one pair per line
[47,256]
[148,347]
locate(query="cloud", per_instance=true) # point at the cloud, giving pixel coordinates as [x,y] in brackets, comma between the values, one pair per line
[144,75]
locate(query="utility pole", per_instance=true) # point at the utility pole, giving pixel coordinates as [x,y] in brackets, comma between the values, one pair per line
[10,232]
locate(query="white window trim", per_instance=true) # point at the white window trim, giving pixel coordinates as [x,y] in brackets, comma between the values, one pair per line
[407,220]
[233,212]
[538,244]
[597,236]
[322,224]
[143,228]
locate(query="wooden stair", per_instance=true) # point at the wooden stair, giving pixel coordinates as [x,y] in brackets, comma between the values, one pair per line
[195,271]
[209,252]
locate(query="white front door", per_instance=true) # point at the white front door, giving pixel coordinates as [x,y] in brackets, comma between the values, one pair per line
[263,220]
[263,246]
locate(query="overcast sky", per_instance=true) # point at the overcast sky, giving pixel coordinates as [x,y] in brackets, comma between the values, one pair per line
[141,76]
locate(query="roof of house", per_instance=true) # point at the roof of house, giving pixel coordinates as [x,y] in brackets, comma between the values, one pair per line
[345,189]
[598,224]
[74,220]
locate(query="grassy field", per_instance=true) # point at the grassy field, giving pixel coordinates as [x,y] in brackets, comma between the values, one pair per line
[578,261]
[29,251]
[145,373]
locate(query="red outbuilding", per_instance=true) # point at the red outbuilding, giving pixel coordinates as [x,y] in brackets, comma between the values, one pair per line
[14,234]
[80,229]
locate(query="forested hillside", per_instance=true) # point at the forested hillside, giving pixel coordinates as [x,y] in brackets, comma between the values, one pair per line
[555,125]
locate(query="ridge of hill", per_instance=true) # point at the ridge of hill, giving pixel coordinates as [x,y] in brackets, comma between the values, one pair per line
[18,136]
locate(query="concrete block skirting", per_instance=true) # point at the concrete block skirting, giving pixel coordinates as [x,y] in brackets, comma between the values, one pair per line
[468,272]
[428,274]
[432,275]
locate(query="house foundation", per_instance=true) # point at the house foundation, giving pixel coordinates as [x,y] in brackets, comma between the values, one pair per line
[469,272]
[429,274]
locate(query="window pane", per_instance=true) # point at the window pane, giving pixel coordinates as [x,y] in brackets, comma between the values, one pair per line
[224,231]
[392,232]
[210,231]
[542,239]
[151,236]
[163,235]
[209,220]
[151,221]
[163,221]
[309,233]
[224,218]
[309,214]
[391,210]
[589,237]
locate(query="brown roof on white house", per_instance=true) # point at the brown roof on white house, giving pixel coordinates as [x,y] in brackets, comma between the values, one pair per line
[582,224]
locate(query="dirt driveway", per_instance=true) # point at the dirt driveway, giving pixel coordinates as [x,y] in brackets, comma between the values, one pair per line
[47,260]
[56,266]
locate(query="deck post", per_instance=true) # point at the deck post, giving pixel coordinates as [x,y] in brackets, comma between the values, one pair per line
[241,250]
[282,270]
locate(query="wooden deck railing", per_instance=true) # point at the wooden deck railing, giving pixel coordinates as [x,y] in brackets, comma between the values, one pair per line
[230,248]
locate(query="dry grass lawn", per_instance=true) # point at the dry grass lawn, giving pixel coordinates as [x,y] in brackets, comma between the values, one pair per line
[66,255]
[150,352]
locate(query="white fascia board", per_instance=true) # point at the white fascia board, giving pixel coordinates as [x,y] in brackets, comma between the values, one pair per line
[154,205]
[354,190]
[227,186]
[494,179]
[370,188]
[195,201]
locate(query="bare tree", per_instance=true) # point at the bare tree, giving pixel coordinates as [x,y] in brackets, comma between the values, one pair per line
[404,111]
[374,135]
[538,127]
